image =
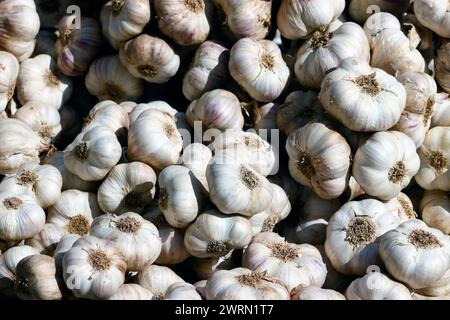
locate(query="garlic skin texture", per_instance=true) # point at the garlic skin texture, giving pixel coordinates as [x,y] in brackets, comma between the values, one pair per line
[40,81]
[434,153]
[186,22]
[297,19]
[435,210]
[19,25]
[316,293]
[326,49]
[293,264]
[93,268]
[74,211]
[108,79]
[442,66]
[415,254]
[244,284]
[9,71]
[439,288]
[350,250]
[259,68]
[76,48]
[377,286]
[385,164]
[149,58]
[122,20]
[402,207]
[214,234]
[136,238]
[376,100]
[47,239]
[131,291]
[320,159]
[93,154]
[154,139]
[435,15]
[65,244]
[441,116]
[196,157]
[360,10]
[204,268]
[208,70]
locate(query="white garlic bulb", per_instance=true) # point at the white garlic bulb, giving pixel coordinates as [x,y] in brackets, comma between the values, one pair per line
[259,68]
[441,116]
[316,293]
[442,65]
[385,164]
[435,15]
[402,207]
[131,291]
[360,10]
[9,70]
[47,239]
[435,210]
[196,157]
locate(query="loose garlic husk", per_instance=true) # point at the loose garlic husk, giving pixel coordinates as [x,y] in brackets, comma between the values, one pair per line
[402,207]
[137,238]
[352,233]
[9,71]
[264,117]
[415,254]
[214,234]
[37,279]
[360,10]
[131,291]
[205,267]
[74,211]
[442,66]
[376,101]
[326,49]
[385,164]
[154,139]
[259,68]
[128,187]
[19,25]
[244,284]
[316,293]
[196,157]
[43,182]
[108,79]
[294,264]
[42,118]
[124,19]
[441,116]
[184,21]
[377,286]
[435,15]
[93,153]
[319,158]
[434,153]
[47,239]
[208,70]
[94,268]
[435,210]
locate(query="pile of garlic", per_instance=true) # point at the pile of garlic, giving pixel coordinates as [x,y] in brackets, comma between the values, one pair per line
[215,149]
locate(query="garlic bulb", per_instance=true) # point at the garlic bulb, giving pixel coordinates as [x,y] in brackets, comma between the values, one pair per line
[161,106]
[442,64]
[74,211]
[352,232]
[77,47]
[36,279]
[20,216]
[385,164]
[435,210]
[9,70]
[441,116]
[208,70]
[326,49]
[207,266]
[316,293]
[244,284]
[131,291]
[360,10]
[297,19]
[149,58]
[137,238]
[218,109]
[434,173]
[214,234]
[154,139]
[402,207]
[182,291]
[41,181]
[377,286]
[19,25]
[259,68]
[47,239]
[40,81]
[376,102]
[124,19]
[128,186]
[108,79]
[293,264]
[42,118]
[320,159]
[391,49]
[415,254]
[93,153]
[94,268]
[196,157]
[435,15]
[234,187]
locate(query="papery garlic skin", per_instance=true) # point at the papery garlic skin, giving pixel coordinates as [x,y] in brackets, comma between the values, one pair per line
[442,66]
[259,68]
[441,116]
[434,15]
[182,291]
[196,157]
[159,105]
[317,293]
[65,243]
[131,291]
[47,239]
[205,267]
[439,288]
[149,58]
[40,81]
[402,207]
[9,71]
[360,10]
[435,210]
